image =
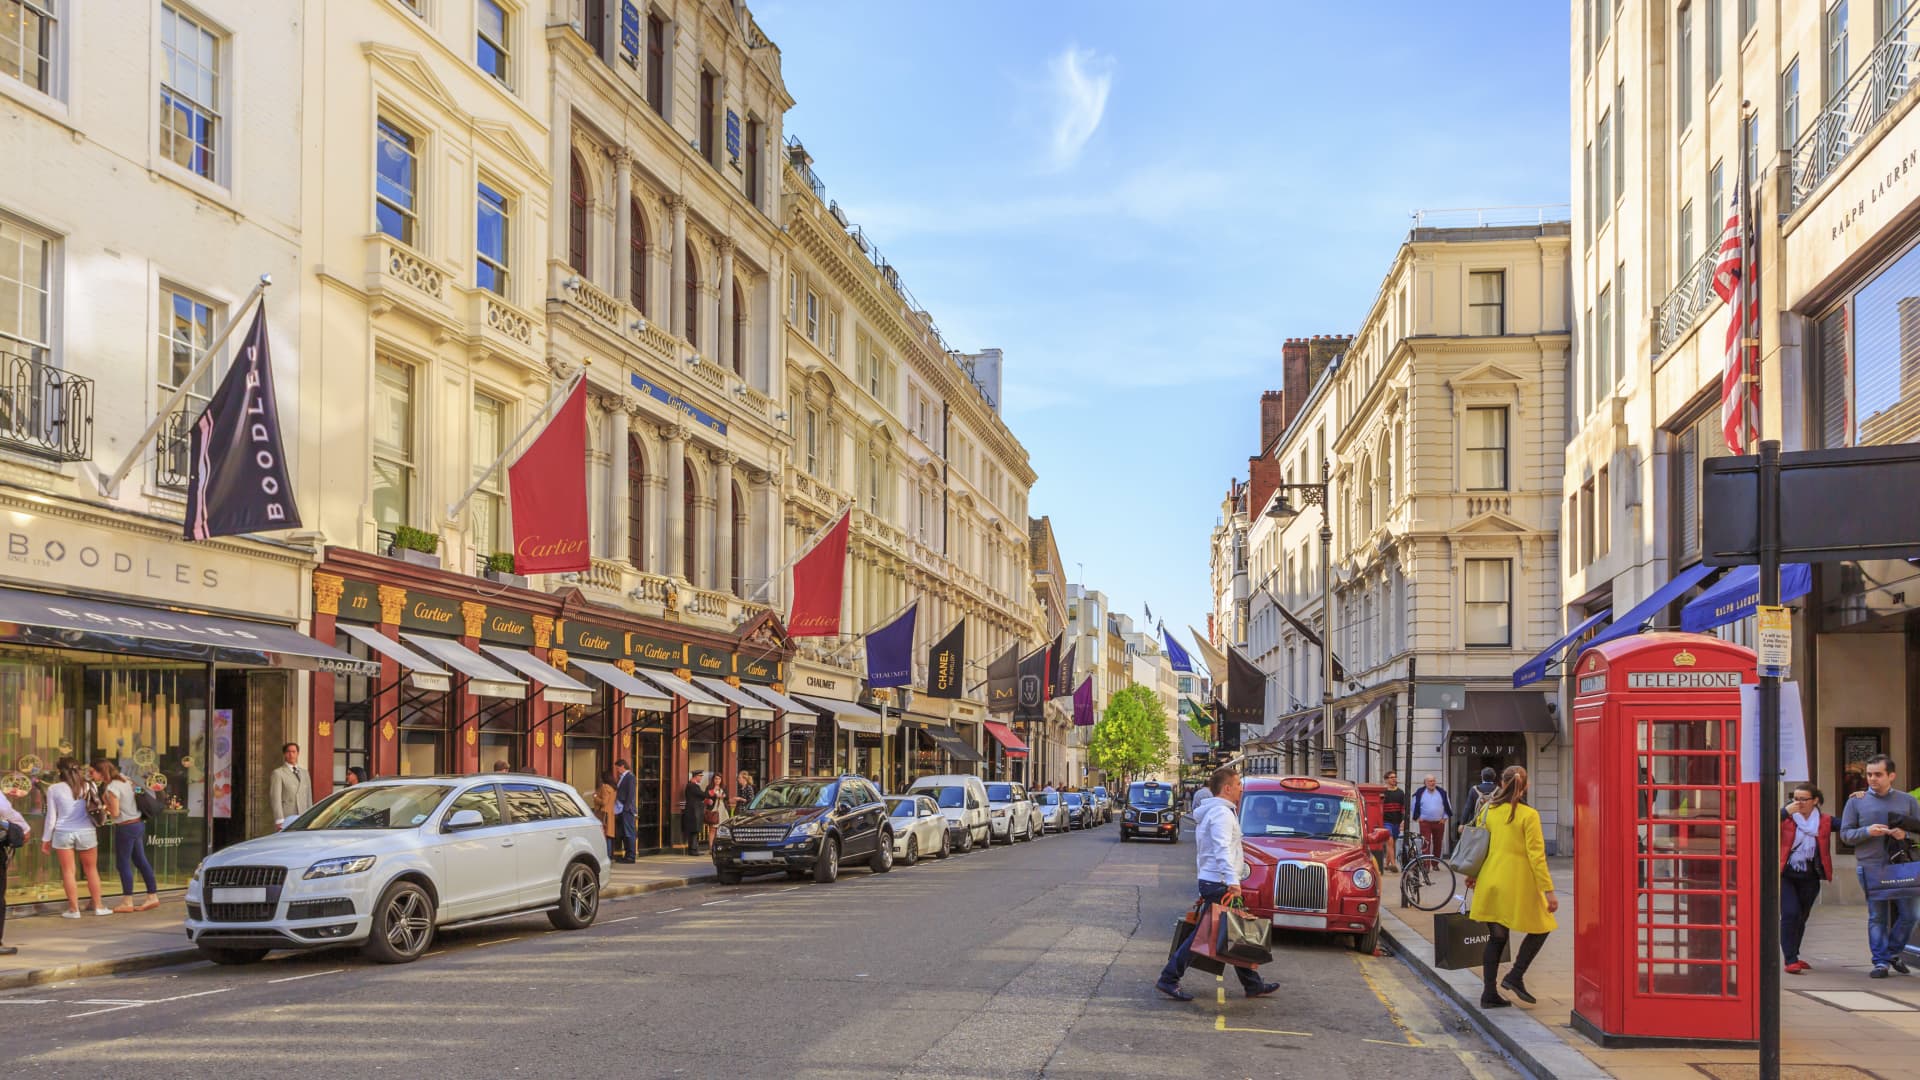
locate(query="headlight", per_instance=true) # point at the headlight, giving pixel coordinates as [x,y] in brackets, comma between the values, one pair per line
[352,864]
[1129,815]
[196,874]
[806,828]
[1363,879]
[721,832]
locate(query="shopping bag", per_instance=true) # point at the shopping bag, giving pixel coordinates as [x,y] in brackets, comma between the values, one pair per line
[1460,942]
[1184,926]
[1241,939]
[1470,848]
[1892,881]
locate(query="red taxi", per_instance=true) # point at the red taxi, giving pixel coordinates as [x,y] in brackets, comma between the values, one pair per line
[1307,857]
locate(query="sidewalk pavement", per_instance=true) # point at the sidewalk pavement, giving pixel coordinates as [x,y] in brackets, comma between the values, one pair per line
[53,949]
[1870,1024]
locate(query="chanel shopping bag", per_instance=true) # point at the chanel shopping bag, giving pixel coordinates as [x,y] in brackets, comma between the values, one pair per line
[1460,942]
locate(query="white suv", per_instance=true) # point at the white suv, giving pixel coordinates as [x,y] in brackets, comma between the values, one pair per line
[386,863]
[1015,815]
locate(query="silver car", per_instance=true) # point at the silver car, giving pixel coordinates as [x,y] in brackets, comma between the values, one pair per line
[918,828]
[1053,812]
[1012,813]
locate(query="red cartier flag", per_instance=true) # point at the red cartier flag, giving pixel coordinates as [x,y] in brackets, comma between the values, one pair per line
[548,486]
[817,580]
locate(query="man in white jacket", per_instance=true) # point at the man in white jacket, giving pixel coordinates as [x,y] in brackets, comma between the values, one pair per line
[1222,866]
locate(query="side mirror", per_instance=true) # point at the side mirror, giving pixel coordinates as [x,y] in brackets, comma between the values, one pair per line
[465,819]
[1379,838]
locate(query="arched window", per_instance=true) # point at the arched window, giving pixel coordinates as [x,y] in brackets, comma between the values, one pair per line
[690,565]
[738,559]
[1363,501]
[739,331]
[636,503]
[637,258]
[577,216]
[693,298]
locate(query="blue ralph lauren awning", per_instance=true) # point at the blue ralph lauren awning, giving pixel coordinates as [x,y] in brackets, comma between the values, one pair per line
[1536,669]
[1632,621]
[1735,596]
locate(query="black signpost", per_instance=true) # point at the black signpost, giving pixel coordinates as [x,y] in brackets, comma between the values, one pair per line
[1809,506]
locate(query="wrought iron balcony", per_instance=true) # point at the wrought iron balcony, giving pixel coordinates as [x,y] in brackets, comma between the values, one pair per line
[1683,306]
[44,411]
[1843,126]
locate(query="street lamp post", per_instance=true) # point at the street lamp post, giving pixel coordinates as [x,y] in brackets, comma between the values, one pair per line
[1283,511]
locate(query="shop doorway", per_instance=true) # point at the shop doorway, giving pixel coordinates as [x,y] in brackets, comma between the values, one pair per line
[1468,752]
[645,750]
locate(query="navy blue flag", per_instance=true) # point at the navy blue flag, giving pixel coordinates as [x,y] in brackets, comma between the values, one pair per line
[1176,655]
[947,664]
[236,467]
[890,651]
[1030,705]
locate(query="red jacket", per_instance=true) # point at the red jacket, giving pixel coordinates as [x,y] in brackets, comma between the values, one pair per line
[1789,829]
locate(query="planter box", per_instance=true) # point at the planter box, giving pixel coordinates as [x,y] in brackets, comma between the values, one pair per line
[518,581]
[417,558]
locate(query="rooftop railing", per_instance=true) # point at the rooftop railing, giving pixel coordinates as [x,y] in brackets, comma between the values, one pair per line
[1843,126]
[1487,217]
[1682,307]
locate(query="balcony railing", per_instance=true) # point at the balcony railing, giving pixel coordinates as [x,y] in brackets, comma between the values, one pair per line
[170,450]
[1842,127]
[1682,307]
[44,411]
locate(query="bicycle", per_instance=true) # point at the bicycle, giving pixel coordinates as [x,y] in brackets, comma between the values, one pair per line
[1426,881]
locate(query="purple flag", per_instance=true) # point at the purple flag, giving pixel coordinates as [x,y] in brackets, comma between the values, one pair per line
[890,651]
[1083,704]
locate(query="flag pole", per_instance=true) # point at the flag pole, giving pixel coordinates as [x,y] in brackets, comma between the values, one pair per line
[459,504]
[110,483]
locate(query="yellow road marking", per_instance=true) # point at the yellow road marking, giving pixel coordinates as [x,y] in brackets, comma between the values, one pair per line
[1386,1003]
[1220,1024]
[1220,995]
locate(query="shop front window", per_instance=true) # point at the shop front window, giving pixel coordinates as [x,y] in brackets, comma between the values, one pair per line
[1869,358]
[503,735]
[423,734]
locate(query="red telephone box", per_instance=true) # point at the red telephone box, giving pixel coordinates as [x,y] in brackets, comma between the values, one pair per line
[1661,892]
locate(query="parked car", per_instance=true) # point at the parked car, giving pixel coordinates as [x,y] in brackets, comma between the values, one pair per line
[1013,814]
[963,800]
[386,864]
[918,828]
[806,826]
[1079,811]
[1101,805]
[1053,811]
[1307,857]
[1150,812]
[1106,804]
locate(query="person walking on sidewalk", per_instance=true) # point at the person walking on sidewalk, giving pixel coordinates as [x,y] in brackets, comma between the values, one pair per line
[10,819]
[1432,809]
[692,809]
[1475,798]
[289,789]
[1873,822]
[1222,866]
[1514,890]
[129,836]
[1806,860]
[604,801]
[71,834]
[1393,815]
[626,807]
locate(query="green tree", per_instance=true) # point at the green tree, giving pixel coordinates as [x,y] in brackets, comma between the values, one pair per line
[1131,735]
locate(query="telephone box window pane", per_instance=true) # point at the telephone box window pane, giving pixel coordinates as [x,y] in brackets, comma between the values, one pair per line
[1693,980]
[1679,770]
[1683,839]
[1684,873]
[1687,803]
[1680,735]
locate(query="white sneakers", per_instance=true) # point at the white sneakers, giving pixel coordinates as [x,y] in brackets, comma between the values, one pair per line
[102,911]
[76,914]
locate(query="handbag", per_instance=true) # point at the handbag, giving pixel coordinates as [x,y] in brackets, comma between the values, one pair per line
[1460,942]
[1241,939]
[711,817]
[1470,849]
[1187,926]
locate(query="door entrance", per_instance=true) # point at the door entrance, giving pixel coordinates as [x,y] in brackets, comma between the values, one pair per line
[1468,752]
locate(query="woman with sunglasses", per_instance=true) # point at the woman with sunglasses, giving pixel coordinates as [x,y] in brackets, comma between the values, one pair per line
[1806,860]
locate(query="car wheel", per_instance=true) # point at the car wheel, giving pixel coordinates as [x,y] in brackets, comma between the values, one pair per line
[827,867]
[232,957]
[1368,944]
[727,877]
[986,837]
[579,899]
[946,845]
[402,924]
[882,860]
[913,851]
[966,841]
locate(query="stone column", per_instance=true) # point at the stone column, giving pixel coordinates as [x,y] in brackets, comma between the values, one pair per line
[725,283]
[677,278]
[559,150]
[618,461]
[674,565]
[723,518]
[622,227]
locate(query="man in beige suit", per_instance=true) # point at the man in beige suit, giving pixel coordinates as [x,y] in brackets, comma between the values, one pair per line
[289,789]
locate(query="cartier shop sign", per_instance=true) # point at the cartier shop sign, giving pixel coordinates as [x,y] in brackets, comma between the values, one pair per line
[79,555]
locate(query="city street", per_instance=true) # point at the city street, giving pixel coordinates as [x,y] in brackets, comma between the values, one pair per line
[1035,960]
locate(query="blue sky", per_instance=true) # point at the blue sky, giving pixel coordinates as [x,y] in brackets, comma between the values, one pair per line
[1139,202]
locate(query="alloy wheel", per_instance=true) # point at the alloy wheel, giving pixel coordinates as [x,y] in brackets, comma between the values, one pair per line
[408,922]
[583,893]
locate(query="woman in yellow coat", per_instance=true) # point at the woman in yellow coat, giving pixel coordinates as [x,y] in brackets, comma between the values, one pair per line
[1514,891]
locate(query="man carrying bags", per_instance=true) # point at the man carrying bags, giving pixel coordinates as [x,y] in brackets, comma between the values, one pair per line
[1222,866]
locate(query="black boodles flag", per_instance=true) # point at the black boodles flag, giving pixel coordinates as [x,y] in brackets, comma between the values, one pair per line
[1003,681]
[237,468]
[947,664]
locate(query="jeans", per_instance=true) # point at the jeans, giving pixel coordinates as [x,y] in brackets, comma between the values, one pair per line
[629,836]
[1798,891]
[1210,891]
[1890,924]
[130,851]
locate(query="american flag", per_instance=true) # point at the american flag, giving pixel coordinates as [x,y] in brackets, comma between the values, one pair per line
[1740,382]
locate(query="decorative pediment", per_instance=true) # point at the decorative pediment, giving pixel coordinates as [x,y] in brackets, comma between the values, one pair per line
[1486,378]
[408,67]
[1492,523]
[503,138]
[765,630]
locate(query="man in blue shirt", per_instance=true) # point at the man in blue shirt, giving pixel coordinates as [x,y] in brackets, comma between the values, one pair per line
[1872,823]
[1222,867]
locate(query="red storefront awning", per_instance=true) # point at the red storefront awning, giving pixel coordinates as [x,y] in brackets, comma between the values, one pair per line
[1005,736]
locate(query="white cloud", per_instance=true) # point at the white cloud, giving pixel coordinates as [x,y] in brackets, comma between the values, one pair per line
[1081,81]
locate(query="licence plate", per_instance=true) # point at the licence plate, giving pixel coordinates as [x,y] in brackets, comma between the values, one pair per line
[1300,922]
[756,856]
[238,896]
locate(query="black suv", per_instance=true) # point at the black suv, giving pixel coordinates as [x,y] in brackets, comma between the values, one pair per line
[806,826]
[1150,812]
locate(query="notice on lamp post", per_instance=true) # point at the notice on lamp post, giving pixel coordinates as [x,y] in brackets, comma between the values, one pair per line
[1793,735]
[1773,640]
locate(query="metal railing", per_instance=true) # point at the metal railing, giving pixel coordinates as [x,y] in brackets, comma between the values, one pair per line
[1843,125]
[1482,217]
[1682,307]
[171,466]
[797,157]
[44,411]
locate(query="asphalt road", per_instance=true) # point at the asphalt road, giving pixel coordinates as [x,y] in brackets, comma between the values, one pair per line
[1030,961]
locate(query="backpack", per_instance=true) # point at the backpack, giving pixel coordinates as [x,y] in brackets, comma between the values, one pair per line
[97,807]
[148,804]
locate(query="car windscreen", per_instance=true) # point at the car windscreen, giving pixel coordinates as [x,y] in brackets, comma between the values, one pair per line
[1150,797]
[1000,792]
[1073,798]
[787,795]
[384,806]
[1286,813]
[949,798]
[1048,798]
[903,807]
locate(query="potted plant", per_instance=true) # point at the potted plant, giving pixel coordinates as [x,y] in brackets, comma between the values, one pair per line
[416,546]
[500,569]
